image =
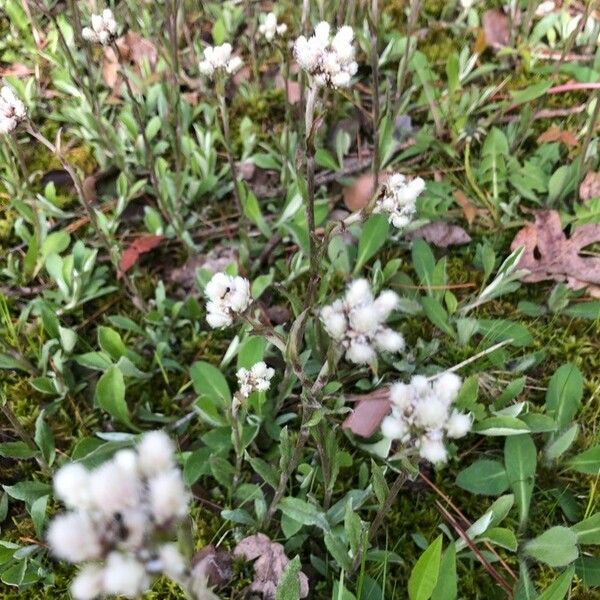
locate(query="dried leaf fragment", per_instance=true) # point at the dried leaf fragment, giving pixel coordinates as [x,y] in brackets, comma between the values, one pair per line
[556,134]
[590,186]
[441,234]
[495,28]
[550,254]
[269,563]
[140,246]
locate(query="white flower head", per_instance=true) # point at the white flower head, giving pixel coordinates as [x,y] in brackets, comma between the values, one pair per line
[357,323]
[256,379]
[103,28]
[422,415]
[12,110]
[227,297]
[219,59]
[329,61]
[122,515]
[270,28]
[398,199]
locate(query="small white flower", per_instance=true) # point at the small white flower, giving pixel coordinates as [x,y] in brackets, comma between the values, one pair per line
[330,62]
[545,8]
[156,453]
[219,58]
[12,110]
[113,489]
[398,199]
[357,322]
[72,486]
[269,28]
[227,296]
[124,575]
[72,537]
[421,415]
[89,583]
[257,379]
[103,28]
[168,496]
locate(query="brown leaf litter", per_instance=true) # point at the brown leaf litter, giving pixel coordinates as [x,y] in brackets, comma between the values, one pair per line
[590,186]
[441,234]
[551,255]
[368,413]
[269,563]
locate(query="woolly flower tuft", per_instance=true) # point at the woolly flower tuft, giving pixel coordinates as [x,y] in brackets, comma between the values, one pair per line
[227,296]
[218,58]
[357,322]
[12,110]
[256,379]
[269,28]
[103,28]
[422,415]
[119,514]
[329,61]
[398,199]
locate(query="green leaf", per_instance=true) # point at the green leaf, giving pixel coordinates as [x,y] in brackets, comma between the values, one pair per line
[559,588]
[424,575]
[556,547]
[588,569]
[380,486]
[372,238]
[303,512]
[437,315]
[587,462]
[16,450]
[251,351]
[209,381]
[564,394]
[530,93]
[288,587]
[338,550]
[520,460]
[446,587]
[588,530]
[110,396]
[558,446]
[423,262]
[484,476]
[501,426]
[110,341]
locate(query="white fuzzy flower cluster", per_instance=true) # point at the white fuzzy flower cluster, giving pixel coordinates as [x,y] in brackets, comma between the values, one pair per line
[103,28]
[218,58]
[357,322]
[120,513]
[256,379]
[422,415]
[269,28]
[227,296]
[12,110]
[398,199]
[328,61]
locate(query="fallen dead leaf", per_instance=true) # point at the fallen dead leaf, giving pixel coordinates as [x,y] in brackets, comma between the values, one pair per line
[357,195]
[15,70]
[550,254]
[590,186]
[368,413]
[269,563]
[495,28]
[441,234]
[216,260]
[469,209]
[212,564]
[293,89]
[140,246]
[556,134]
[133,48]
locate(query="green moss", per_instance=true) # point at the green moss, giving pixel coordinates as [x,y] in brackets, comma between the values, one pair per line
[438,44]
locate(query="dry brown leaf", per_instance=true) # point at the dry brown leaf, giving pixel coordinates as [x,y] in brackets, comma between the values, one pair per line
[293,89]
[441,234]
[590,186]
[213,565]
[133,48]
[216,260]
[469,209]
[357,195]
[269,563]
[495,28]
[368,413]
[549,254]
[556,134]
[140,246]
[15,70]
